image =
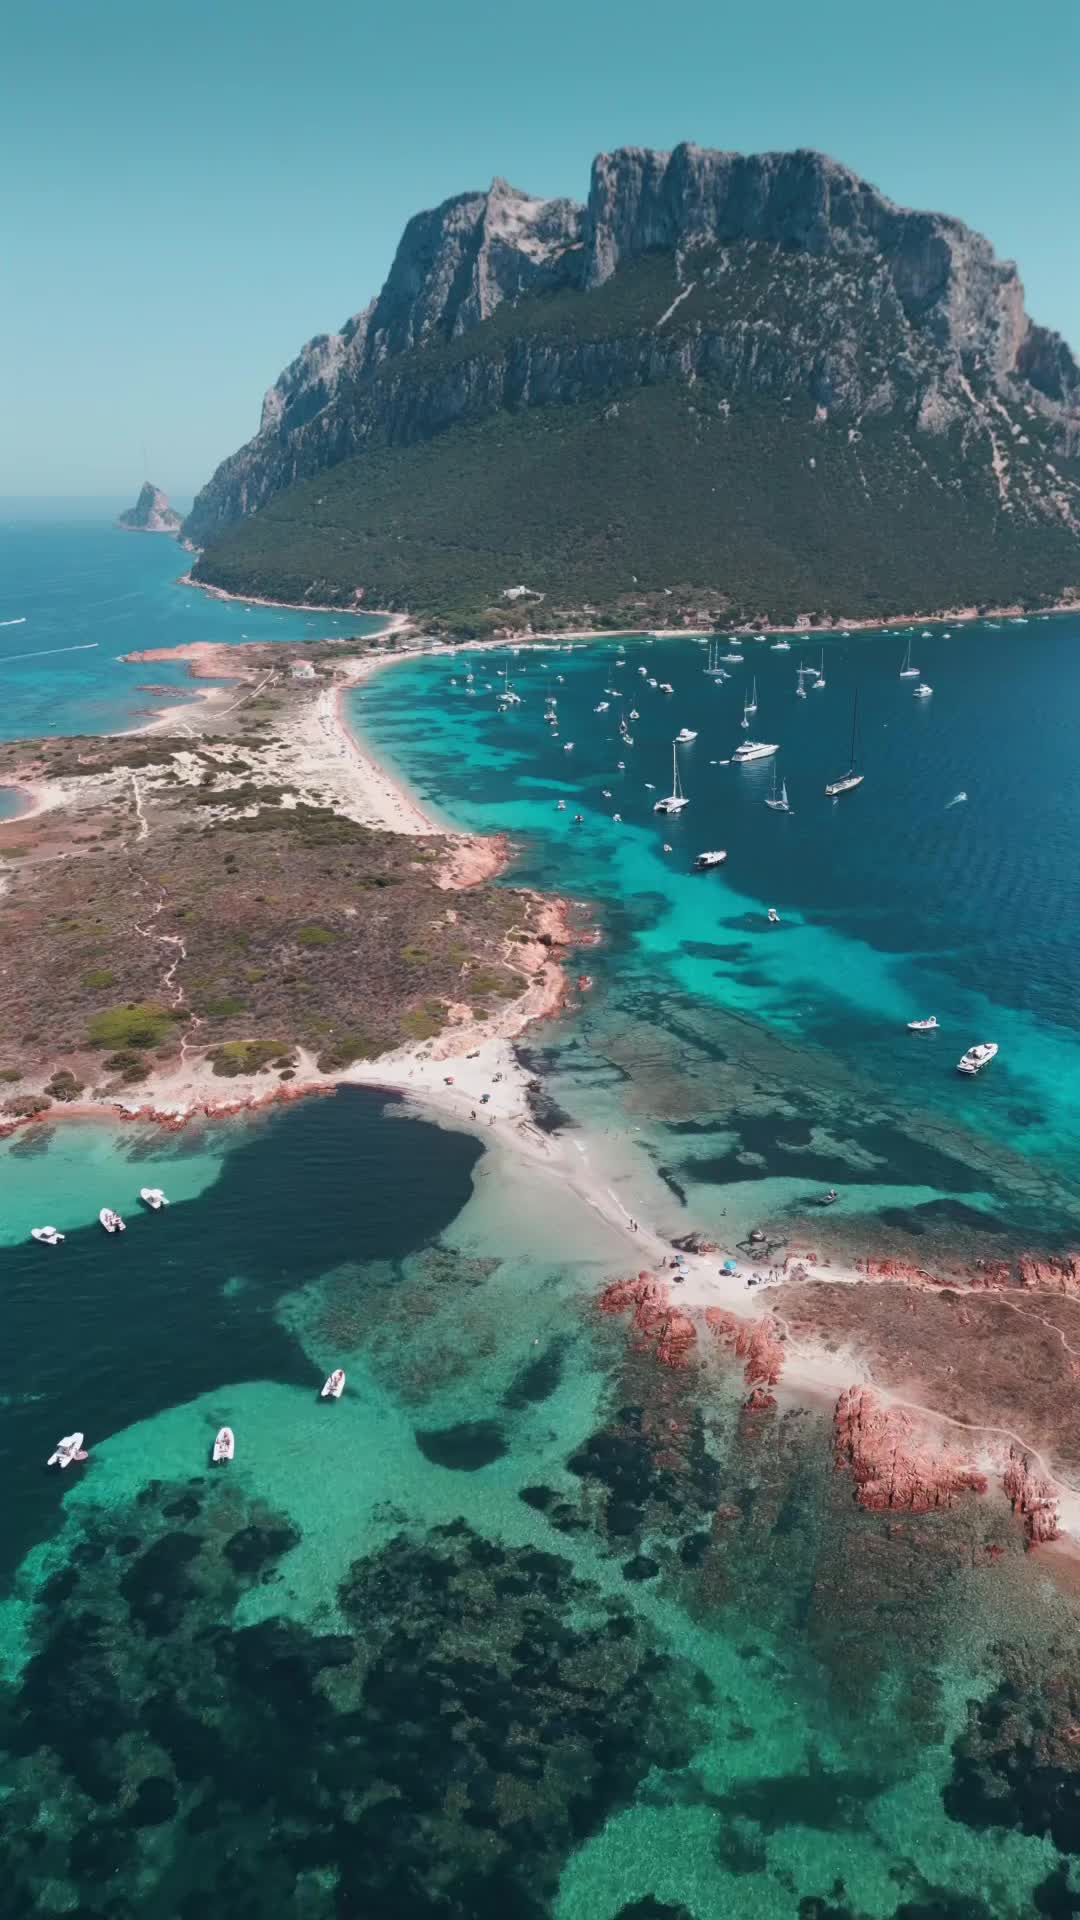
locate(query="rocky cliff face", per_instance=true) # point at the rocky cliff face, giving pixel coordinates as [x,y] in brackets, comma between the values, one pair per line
[790,277]
[151,513]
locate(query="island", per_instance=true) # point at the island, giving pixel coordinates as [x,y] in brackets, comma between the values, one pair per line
[151,513]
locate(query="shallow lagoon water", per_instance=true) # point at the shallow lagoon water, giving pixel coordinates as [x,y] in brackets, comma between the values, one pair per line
[524,1624]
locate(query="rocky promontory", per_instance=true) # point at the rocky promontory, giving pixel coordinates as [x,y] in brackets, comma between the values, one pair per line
[151,513]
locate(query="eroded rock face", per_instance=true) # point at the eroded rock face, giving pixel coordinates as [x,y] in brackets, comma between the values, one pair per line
[1032,1496]
[665,1330]
[894,1465]
[902,313]
[151,513]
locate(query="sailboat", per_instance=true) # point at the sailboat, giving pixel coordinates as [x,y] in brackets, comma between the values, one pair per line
[714,666]
[750,706]
[676,800]
[907,671]
[851,778]
[778,801]
[820,681]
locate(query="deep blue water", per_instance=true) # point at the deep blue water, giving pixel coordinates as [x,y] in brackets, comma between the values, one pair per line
[896,901]
[76,594]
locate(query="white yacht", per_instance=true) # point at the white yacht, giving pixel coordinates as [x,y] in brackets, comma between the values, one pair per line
[68,1449]
[47,1236]
[666,686]
[923,1026]
[603,706]
[676,800]
[977,1057]
[706,861]
[111,1221]
[781,645]
[753,750]
[224,1446]
[922,691]
[652,682]
[684,736]
[153,1197]
[733,659]
[907,671]
[334,1385]
[778,801]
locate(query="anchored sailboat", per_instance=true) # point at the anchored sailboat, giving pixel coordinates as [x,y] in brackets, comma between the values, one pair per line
[778,801]
[907,671]
[676,800]
[852,778]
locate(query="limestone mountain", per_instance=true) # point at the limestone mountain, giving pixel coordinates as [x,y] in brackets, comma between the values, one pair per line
[151,513]
[745,383]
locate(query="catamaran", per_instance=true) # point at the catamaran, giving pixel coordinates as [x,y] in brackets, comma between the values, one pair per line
[907,671]
[778,801]
[676,800]
[852,778]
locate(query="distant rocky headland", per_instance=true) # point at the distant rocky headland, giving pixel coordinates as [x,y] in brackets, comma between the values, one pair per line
[725,387]
[151,513]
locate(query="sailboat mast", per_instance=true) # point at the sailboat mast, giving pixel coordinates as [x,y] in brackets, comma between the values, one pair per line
[854,724]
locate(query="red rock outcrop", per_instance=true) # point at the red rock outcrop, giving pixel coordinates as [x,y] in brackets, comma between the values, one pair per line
[1059,1273]
[670,1333]
[893,1464]
[1032,1496]
[757,1342]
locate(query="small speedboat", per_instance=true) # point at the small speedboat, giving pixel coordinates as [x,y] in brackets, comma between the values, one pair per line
[603,706]
[666,686]
[569,747]
[48,1236]
[774,917]
[977,1057]
[618,817]
[560,806]
[224,1446]
[706,861]
[922,691]
[923,1026]
[667,846]
[334,1385]
[68,1449]
[153,1197]
[111,1221]
[685,735]
[829,1199]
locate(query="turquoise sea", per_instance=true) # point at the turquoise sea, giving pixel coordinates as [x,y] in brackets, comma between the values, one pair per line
[526,1625]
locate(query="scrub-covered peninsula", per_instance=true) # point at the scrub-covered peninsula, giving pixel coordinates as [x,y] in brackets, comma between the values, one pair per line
[238,902]
[726,387]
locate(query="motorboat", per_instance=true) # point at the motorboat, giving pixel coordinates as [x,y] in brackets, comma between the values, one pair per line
[706,861]
[907,671]
[644,672]
[666,686]
[956,801]
[560,806]
[652,682]
[606,791]
[617,817]
[852,778]
[922,691]
[778,801]
[773,917]
[569,747]
[829,1199]
[68,1449]
[667,846]
[603,706]
[684,736]
[111,1221]
[780,646]
[334,1385]
[47,1236]
[153,1197]
[224,1446]
[923,1026]
[977,1057]
[733,659]
[676,800]
[753,750]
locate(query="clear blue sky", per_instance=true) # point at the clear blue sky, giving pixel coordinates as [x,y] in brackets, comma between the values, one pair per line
[188,193]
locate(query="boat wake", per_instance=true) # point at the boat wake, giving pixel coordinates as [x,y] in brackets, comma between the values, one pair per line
[20,622]
[85,646]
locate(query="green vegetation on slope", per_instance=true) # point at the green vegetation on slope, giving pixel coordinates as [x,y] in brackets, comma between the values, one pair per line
[563,444]
[605,507]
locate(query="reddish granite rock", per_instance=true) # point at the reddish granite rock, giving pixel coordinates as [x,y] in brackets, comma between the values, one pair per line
[893,1464]
[759,1400]
[1032,1496]
[756,1342]
[670,1332]
[1059,1273]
